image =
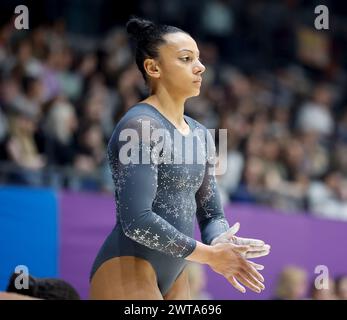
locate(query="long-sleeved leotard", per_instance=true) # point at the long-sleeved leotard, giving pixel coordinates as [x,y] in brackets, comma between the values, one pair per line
[157,200]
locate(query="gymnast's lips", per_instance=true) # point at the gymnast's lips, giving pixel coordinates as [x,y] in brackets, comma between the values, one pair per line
[198,81]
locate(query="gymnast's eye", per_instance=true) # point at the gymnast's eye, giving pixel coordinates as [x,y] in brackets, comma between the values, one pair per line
[186,59]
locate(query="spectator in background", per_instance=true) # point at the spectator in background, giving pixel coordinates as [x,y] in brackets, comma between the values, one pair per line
[217,23]
[291,284]
[58,133]
[69,80]
[341,287]
[90,158]
[118,52]
[26,59]
[43,288]
[3,126]
[22,149]
[39,38]
[296,182]
[324,293]
[229,181]
[315,115]
[328,198]
[33,97]
[252,183]
[316,154]
[91,147]
[50,72]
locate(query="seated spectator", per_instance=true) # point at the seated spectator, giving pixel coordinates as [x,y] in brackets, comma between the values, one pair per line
[251,188]
[324,293]
[43,288]
[328,198]
[341,287]
[291,284]
[21,148]
[91,148]
[316,114]
[58,133]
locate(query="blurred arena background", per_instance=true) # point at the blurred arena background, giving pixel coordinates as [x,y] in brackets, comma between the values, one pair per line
[275,82]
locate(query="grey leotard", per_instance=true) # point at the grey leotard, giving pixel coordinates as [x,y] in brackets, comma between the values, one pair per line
[157,202]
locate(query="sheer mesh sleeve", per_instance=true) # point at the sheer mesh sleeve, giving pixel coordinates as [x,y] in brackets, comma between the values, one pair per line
[135,173]
[210,213]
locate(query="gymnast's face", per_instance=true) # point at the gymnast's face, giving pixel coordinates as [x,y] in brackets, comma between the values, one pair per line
[178,66]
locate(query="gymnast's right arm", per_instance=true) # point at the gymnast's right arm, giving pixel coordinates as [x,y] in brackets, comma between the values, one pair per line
[136,186]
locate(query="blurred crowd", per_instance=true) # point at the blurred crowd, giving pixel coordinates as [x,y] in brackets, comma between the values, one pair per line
[62,94]
[27,287]
[293,284]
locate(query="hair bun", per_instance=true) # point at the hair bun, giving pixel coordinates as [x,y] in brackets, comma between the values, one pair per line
[137,26]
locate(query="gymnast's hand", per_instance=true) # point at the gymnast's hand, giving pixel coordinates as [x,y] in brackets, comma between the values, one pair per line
[257,248]
[228,260]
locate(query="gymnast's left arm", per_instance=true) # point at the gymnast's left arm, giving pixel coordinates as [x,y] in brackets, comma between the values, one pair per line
[214,227]
[210,213]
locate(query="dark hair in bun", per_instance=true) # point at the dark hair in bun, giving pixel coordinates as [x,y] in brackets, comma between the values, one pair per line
[135,26]
[148,36]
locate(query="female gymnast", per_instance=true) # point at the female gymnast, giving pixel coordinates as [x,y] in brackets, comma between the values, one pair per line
[145,255]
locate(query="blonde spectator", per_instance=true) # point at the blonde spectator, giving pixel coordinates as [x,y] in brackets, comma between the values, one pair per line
[292,284]
[21,146]
[22,149]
